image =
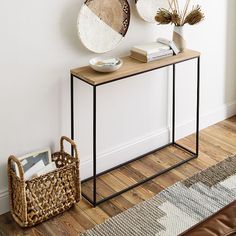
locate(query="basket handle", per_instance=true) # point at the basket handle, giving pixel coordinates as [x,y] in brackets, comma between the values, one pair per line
[12,159]
[73,144]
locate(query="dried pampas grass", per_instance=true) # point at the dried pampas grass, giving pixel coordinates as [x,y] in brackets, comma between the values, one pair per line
[163,16]
[177,17]
[195,16]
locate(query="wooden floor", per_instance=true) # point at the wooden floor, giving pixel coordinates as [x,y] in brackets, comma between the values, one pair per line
[216,143]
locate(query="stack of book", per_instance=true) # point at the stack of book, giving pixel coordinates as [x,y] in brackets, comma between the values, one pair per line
[151,51]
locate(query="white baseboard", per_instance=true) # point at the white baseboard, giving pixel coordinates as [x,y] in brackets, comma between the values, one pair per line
[125,152]
[221,113]
[4,201]
[142,145]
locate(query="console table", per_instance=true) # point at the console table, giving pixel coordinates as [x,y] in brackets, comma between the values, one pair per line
[130,68]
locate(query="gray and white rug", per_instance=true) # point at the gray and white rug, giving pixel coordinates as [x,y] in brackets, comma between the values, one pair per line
[178,207]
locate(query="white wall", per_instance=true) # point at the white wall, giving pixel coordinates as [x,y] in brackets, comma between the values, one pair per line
[39,46]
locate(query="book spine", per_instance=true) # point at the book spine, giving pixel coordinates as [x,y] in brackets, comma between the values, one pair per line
[159,57]
[145,58]
[142,58]
[160,54]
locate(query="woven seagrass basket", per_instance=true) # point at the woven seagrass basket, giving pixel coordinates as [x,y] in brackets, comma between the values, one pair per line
[36,200]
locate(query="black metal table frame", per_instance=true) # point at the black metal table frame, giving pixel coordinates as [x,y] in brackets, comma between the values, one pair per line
[193,155]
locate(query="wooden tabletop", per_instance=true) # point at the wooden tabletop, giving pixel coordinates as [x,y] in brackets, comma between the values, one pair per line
[130,67]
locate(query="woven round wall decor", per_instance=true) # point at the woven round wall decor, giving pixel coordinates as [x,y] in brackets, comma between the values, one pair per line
[147,9]
[102,24]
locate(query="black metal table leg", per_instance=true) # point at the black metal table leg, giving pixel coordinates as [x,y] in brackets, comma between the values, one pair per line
[173,107]
[94,145]
[198,106]
[72,109]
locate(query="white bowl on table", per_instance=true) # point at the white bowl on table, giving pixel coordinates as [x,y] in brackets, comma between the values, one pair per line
[105,65]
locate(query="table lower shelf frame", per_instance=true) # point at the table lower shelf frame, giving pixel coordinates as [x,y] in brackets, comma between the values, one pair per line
[193,154]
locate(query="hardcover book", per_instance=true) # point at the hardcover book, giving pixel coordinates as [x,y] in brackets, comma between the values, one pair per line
[150,48]
[151,57]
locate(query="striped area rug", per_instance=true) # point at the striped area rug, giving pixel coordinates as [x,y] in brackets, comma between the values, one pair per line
[178,207]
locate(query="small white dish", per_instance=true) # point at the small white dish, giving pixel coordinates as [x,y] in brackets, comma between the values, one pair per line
[105,65]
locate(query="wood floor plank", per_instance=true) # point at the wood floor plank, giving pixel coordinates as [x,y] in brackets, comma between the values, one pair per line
[220,145]
[223,134]
[57,226]
[134,196]
[9,227]
[163,180]
[97,215]
[120,202]
[228,125]
[144,193]
[136,175]
[67,223]
[81,217]
[216,143]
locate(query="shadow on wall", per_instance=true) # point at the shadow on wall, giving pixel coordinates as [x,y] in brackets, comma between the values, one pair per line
[230,60]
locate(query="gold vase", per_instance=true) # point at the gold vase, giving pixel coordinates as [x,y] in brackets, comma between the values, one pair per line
[178,38]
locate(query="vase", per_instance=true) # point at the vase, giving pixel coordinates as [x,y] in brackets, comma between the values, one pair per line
[178,38]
